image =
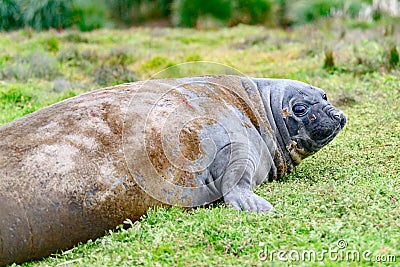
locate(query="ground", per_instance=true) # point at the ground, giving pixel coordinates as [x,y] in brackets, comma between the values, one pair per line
[345,198]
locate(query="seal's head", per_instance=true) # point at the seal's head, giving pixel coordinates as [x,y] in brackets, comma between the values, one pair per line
[304,118]
[311,120]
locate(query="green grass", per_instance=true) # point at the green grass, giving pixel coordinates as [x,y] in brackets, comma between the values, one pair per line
[350,190]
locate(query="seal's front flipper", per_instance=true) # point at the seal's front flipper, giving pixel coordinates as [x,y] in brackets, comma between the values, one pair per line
[245,199]
[236,169]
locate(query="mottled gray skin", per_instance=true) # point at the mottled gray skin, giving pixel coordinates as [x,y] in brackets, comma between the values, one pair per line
[72,171]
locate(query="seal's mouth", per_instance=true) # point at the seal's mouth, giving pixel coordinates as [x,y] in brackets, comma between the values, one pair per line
[330,137]
[341,121]
[324,133]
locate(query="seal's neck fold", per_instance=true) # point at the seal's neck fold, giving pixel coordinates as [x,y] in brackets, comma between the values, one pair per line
[276,106]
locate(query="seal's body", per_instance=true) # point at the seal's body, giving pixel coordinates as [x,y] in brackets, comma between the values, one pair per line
[75,169]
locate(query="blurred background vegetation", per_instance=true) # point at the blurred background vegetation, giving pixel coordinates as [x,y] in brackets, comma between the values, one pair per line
[87,15]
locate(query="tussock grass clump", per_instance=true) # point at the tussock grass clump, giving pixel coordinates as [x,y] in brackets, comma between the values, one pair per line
[15,72]
[37,65]
[43,66]
[15,95]
[51,44]
[15,101]
[107,75]
[75,37]
[156,64]
[120,56]
[394,58]
[61,85]
[329,61]
[74,57]
[69,55]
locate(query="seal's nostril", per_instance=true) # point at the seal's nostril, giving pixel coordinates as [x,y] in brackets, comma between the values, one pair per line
[337,116]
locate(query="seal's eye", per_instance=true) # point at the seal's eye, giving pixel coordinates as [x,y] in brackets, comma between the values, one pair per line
[324,97]
[299,109]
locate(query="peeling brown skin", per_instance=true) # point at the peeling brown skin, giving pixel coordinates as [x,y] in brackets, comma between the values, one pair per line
[285,113]
[64,178]
[297,153]
[69,172]
[190,140]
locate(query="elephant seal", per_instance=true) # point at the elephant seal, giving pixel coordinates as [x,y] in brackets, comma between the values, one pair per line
[73,170]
